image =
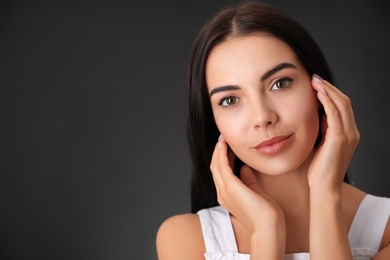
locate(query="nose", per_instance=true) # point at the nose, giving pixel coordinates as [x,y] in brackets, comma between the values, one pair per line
[263,114]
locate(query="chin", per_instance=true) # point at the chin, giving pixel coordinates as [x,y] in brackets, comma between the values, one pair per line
[279,166]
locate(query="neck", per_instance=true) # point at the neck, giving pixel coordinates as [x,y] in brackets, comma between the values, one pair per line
[290,190]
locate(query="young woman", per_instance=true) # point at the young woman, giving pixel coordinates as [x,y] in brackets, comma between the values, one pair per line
[271,140]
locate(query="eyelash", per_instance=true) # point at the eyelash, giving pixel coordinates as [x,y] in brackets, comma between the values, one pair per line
[287,80]
[220,103]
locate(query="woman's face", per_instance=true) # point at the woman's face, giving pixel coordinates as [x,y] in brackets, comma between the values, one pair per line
[263,102]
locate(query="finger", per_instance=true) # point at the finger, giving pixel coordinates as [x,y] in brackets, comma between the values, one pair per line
[340,101]
[214,167]
[223,160]
[332,115]
[228,183]
[338,114]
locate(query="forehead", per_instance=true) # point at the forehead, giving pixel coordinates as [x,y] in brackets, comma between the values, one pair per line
[260,44]
[257,52]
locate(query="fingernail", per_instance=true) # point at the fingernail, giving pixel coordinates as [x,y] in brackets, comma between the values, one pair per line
[219,141]
[317,78]
[323,91]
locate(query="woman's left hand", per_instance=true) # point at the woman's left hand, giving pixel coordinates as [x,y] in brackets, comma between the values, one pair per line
[340,137]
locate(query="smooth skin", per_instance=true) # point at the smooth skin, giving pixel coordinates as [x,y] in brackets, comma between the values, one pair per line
[291,198]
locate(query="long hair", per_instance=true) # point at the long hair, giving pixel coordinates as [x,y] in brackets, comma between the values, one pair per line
[202,132]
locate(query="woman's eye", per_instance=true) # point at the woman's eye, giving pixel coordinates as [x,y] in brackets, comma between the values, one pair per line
[282,83]
[228,101]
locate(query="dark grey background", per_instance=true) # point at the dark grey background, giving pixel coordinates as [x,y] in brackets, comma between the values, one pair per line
[92,101]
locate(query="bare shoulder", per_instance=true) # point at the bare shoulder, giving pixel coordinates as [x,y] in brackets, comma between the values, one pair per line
[180,237]
[352,197]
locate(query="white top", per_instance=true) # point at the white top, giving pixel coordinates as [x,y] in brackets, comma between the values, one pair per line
[365,234]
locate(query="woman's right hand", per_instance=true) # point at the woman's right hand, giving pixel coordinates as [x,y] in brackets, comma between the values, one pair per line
[245,200]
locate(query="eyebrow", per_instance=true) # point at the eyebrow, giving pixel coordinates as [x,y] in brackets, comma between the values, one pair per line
[223,88]
[276,69]
[263,78]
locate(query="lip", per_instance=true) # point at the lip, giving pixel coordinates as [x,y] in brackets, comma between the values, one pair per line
[274,145]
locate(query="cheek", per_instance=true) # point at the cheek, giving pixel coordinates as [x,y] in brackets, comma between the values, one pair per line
[228,127]
[232,128]
[301,111]
[309,112]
